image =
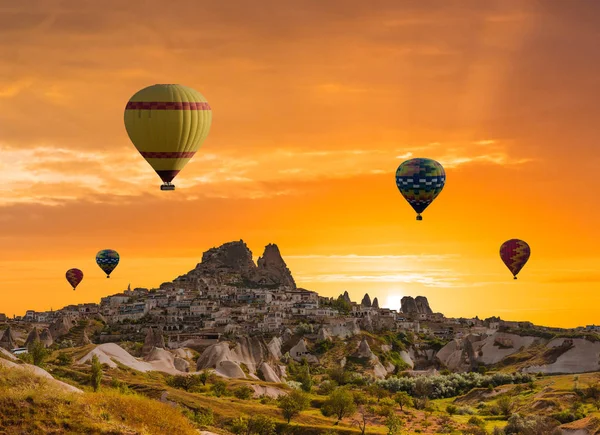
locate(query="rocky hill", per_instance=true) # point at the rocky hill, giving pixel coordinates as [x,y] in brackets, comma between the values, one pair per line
[232,264]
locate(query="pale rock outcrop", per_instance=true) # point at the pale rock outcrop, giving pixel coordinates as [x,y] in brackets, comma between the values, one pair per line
[274,347]
[262,390]
[250,351]
[158,360]
[32,337]
[46,337]
[466,353]
[7,355]
[62,326]
[183,353]
[268,374]
[344,329]
[580,356]
[323,335]
[230,369]
[154,338]
[37,371]
[8,340]
[364,351]
[181,364]
[386,348]
[300,352]
[83,340]
[406,358]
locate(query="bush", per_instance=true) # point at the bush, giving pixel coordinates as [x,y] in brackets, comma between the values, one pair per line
[219,388]
[243,392]
[451,409]
[64,359]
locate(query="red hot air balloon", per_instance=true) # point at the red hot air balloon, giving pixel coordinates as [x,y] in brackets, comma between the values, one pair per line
[74,276]
[514,254]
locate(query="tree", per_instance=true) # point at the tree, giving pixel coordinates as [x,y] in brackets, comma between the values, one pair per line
[243,392]
[362,421]
[506,404]
[96,375]
[38,353]
[342,305]
[304,377]
[255,425]
[219,388]
[403,399]
[394,424]
[292,404]
[378,391]
[340,403]
[205,376]
[64,359]
[186,383]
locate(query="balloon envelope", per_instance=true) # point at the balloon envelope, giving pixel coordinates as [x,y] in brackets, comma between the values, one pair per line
[515,253]
[107,259]
[74,277]
[420,181]
[167,124]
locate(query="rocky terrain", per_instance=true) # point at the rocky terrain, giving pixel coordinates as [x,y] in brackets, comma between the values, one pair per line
[237,337]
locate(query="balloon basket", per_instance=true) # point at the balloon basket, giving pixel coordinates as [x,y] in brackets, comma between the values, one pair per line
[419,218]
[167,187]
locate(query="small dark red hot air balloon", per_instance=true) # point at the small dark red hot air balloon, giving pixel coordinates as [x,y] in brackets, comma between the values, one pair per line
[74,276]
[514,254]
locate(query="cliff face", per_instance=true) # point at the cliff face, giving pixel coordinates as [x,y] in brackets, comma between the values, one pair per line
[418,305]
[232,264]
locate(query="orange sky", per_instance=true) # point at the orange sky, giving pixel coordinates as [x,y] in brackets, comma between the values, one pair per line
[315,104]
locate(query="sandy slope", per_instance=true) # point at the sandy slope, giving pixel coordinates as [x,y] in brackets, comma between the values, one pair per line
[40,372]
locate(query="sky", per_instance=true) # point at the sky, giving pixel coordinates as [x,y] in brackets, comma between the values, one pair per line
[315,104]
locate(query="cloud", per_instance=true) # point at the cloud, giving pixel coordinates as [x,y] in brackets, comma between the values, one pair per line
[437,278]
[52,175]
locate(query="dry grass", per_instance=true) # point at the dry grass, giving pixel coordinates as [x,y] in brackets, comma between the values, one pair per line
[31,405]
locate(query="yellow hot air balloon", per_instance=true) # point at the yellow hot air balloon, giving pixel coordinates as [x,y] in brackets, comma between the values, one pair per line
[167,124]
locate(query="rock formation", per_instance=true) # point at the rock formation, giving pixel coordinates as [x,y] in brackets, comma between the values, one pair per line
[232,264]
[62,326]
[83,340]
[249,351]
[46,337]
[346,297]
[8,341]
[364,350]
[418,305]
[154,338]
[300,352]
[423,305]
[366,301]
[32,337]
[375,303]
[272,270]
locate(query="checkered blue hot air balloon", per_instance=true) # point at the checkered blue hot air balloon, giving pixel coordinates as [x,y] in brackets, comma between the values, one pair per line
[107,259]
[515,253]
[74,277]
[420,181]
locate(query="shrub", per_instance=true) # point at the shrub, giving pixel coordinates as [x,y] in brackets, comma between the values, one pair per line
[243,392]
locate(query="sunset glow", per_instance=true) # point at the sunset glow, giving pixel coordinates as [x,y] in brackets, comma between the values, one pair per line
[315,104]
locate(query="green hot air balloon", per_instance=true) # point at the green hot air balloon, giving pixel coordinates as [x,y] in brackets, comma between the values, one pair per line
[107,259]
[420,181]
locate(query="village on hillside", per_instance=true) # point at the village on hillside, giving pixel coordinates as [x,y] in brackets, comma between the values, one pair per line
[228,294]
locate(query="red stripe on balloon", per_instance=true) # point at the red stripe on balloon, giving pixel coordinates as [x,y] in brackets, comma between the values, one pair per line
[158,105]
